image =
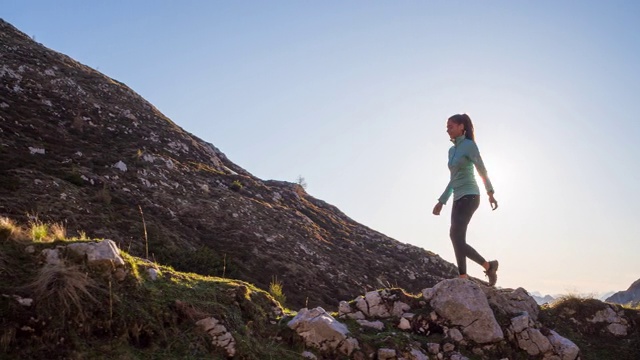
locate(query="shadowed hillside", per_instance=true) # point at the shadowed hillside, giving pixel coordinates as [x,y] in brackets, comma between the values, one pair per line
[82,149]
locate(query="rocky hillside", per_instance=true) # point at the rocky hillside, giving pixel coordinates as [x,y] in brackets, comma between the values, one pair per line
[85,299]
[631,296]
[82,149]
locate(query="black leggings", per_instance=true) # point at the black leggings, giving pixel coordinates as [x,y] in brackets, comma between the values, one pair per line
[461,214]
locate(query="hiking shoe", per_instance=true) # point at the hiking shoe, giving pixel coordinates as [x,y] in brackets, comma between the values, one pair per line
[492,272]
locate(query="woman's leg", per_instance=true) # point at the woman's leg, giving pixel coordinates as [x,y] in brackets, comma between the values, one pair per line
[461,214]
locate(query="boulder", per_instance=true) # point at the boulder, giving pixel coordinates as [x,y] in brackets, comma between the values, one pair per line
[321,330]
[220,337]
[563,347]
[464,304]
[101,253]
[512,302]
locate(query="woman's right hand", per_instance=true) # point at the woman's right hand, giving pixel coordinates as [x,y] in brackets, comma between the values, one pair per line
[437,208]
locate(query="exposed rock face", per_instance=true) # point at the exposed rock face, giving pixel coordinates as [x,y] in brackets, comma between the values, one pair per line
[630,296]
[81,148]
[459,310]
[220,337]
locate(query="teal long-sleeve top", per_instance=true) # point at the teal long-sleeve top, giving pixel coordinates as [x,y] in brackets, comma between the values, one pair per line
[463,156]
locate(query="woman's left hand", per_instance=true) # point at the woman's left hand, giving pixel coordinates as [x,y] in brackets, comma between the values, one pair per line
[493,202]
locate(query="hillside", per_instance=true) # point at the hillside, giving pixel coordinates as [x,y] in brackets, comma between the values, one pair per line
[75,298]
[82,149]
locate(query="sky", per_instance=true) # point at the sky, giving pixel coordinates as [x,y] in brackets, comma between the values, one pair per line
[354,97]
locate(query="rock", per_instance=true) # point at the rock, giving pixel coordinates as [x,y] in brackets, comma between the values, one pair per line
[356,316]
[433,348]
[386,354]
[30,249]
[416,354]
[320,330]
[464,304]
[220,337]
[520,323]
[427,294]
[153,273]
[512,302]
[455,335]
[617,324]
[617,329]
[378,325]
[372,305]
[309,355]
[399,308]
[533,342]
[458,356]
[51,256]
[120,274]
[448,347]
[563,347]
[101,253]
[344,308]
[404,324]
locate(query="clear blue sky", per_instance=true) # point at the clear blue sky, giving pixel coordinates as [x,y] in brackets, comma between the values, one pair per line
[354,97]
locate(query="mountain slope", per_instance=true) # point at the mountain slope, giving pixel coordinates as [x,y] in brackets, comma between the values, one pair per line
[80,148]
[630,296]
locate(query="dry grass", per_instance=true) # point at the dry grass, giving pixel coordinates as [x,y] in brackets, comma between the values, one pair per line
[58,231]
[39,231]
[63,289]
[10,231]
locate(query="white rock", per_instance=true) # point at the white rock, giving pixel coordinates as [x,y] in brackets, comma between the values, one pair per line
[358,315]
[464,304]
[33,150]
[520,323]
[428,293]
[533,342]
[433,348]
[617,329]
[372,305]
[404,324]
[120,166]
[153,273]
[321,330]
[418,355]
[30,249]
[51,256]
[343,308]
[104,252]
[564,347]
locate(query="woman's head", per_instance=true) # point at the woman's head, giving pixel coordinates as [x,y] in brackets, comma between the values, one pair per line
[460,124]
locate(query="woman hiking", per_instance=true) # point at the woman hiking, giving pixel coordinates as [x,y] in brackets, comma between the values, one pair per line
[463,156]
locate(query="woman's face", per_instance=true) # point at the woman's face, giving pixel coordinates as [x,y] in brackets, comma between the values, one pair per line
[454,130]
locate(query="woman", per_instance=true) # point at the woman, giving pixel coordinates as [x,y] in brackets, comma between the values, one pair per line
[463,155]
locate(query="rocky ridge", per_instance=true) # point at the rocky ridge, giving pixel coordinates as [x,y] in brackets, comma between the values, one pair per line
[82,149]
[631,296]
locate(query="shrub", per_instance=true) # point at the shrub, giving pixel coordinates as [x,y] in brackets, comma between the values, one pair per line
[236,185]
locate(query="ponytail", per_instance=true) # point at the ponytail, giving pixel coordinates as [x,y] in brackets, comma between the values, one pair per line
[465,120]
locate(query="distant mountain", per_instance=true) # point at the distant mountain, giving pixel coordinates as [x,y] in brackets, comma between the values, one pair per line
[542,299]
[630,296]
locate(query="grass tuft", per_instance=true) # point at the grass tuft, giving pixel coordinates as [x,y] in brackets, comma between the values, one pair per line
[58,232]
[275,289]
[63,289]
[10,231]
[39,231]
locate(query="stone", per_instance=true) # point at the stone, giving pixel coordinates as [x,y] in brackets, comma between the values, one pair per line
[520,323]
[533,342]
[30,249]
[433,348]
[378,325]
[399,308]
[372,305]
[51,256]
[321,330]
[404,324]
[458,356]
[101,253]
[455,335]
[358,315]
[120,274]
[464,304]
[416,354]
[309,355]
[512,302]
[220,337]
[617,329]
[153,273]
[344,308]
[428,293]
[386,354]
[448,347]
[563,347]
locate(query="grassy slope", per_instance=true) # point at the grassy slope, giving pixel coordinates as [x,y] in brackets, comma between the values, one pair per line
[135,318]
